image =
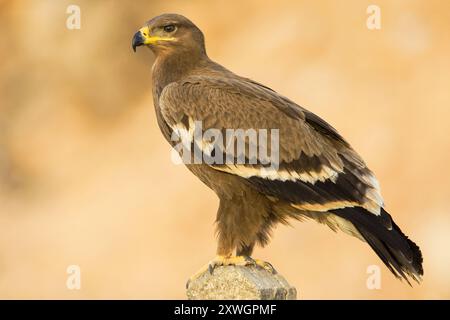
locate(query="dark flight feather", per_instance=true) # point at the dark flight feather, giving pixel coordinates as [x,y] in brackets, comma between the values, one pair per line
[401,255]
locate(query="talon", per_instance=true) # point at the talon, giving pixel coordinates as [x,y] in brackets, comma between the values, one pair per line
[250,260]
[211,268]
[217,261]
[266,265]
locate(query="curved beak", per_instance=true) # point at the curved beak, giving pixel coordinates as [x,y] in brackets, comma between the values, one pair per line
[144,37]
[138,40]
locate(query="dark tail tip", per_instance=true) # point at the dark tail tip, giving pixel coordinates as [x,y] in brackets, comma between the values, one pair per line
[417,258]
[401,255]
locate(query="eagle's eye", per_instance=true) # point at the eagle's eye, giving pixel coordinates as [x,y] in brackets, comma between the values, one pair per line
[169,28]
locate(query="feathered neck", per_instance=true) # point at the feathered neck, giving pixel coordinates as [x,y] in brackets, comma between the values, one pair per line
[173,66]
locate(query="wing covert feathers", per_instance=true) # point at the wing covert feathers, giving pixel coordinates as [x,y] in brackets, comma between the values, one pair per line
[318,170]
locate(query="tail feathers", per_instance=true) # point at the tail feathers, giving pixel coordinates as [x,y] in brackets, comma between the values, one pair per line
[401,255]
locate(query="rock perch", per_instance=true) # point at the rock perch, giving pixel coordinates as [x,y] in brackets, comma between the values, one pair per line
[238,282]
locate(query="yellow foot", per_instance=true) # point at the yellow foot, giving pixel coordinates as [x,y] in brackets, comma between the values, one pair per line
[231,261]
[265,265]
[221,261]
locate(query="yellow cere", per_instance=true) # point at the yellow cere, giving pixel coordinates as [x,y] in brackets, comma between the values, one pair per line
[145,32]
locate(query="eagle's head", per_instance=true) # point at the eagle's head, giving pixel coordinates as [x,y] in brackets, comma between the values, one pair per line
[168,33]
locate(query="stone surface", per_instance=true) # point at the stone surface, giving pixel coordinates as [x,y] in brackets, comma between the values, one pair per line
[238,282]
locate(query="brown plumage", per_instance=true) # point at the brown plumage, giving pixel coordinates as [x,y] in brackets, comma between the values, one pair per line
[319,175]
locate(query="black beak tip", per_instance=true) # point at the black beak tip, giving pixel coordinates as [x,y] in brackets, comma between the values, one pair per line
[137,41]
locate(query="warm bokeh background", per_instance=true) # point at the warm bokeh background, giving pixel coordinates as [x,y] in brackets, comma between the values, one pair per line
[86,177]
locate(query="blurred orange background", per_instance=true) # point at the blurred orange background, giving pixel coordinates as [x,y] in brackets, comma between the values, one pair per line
[86,177]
